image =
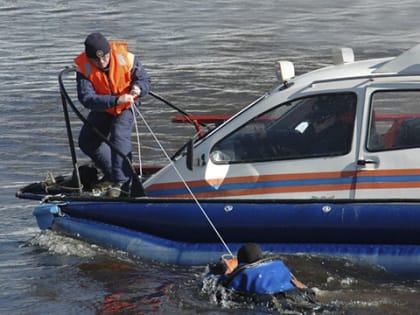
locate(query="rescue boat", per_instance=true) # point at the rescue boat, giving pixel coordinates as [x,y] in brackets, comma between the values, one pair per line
[327,162]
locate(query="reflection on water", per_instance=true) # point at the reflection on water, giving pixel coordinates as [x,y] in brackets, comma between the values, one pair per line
[205,57]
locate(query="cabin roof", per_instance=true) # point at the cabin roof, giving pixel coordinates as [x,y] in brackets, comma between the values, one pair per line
[407,63]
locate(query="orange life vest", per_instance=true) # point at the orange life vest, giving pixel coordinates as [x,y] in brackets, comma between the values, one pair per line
[118,79]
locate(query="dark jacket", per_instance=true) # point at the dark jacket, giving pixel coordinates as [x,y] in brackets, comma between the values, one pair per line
[88,97]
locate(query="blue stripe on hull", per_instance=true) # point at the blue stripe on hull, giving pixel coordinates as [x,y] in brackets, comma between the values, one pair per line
[284,183]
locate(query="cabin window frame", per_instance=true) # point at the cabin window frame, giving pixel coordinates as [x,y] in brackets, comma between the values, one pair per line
[393,127]
[228,150]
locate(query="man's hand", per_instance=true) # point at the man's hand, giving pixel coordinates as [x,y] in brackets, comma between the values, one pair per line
[126,98]
[135,91]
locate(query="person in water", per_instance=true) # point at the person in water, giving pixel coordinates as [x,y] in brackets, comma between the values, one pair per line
[110,80]
[267,280]
[256,274]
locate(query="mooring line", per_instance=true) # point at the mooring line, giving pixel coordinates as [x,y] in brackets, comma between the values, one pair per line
[185,183]
[138,139]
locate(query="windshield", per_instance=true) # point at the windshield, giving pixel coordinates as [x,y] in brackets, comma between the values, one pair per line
[308,127]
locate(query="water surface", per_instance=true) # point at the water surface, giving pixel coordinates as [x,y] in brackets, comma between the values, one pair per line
[205,57]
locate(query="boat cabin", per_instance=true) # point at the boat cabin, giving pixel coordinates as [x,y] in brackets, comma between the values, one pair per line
[347,131]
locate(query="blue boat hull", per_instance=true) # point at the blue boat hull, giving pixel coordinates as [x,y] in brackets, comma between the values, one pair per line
[313,222]
[177,232]
[402,259]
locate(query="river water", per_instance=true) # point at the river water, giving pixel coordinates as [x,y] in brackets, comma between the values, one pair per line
[205,57]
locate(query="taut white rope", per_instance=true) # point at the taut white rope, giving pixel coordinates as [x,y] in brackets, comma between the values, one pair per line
[138,138]
[185,183]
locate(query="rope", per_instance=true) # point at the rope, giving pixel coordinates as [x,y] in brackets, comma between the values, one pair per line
[185,184]
[138,141]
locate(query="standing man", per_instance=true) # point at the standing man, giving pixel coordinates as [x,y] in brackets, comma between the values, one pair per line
[110,80]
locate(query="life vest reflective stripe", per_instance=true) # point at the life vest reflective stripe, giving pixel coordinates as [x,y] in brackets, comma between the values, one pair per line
[118,79]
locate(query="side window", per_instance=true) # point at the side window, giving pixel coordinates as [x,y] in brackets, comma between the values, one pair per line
[320,125]
[394,121]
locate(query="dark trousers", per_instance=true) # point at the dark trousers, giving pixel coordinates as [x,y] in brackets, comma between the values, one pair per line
[118,130]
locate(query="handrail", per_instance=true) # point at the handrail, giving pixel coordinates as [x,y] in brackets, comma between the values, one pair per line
[188,117]
[370,76]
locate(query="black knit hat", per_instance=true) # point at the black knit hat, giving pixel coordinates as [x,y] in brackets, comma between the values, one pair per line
[249,253]
[96,45]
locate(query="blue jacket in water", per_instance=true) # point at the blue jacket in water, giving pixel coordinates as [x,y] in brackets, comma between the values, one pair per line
[262,277]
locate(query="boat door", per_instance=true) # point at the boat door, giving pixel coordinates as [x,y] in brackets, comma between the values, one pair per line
[305,149]
[389,158]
